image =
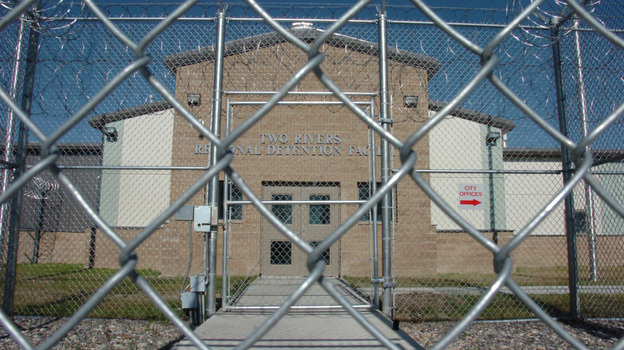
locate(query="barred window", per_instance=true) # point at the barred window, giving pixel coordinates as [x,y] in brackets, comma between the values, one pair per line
[364,193]
[281,253]
[282,211]
[235,211]
[320,214]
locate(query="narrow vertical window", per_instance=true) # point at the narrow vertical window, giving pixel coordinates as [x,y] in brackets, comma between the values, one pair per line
[320,214]
[283,212]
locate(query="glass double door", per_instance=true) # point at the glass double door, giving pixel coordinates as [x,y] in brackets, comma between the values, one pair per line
[312,222]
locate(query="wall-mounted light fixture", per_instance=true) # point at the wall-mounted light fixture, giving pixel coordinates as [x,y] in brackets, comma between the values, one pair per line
[410,101]
[491,138]
[193,99]
[110,132]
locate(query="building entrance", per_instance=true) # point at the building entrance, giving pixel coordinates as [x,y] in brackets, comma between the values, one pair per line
[307,211]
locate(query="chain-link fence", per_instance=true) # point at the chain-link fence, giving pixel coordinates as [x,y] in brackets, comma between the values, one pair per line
[434,171]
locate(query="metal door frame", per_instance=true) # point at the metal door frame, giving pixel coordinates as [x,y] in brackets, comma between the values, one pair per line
[226,276]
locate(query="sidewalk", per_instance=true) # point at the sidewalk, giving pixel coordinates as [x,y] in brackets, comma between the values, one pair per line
[298,329]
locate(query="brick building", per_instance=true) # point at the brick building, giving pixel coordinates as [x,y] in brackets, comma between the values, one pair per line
[310,147]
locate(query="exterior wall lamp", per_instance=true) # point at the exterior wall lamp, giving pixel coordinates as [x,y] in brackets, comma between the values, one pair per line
[110,132]
[410,101]
[491,138]
[193,99]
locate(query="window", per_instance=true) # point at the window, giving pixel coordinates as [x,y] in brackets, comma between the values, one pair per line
[236,210]
[235,194]
[283,212]
[325,254]
[281,252]
[364,193]
[320,214]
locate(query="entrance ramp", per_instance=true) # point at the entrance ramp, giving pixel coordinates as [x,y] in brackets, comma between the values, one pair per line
[310,329]
[267,292]
[317,321]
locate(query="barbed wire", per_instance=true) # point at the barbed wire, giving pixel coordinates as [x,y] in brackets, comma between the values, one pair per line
[51,18]
[40,188]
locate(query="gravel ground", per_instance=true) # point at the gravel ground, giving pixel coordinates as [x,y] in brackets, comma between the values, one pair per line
[98,334]
[595,334]
[132,334]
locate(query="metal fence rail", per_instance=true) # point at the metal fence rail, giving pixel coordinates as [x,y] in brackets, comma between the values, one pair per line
[521,106]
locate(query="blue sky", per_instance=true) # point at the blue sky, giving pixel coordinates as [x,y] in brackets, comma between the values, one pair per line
[527,69]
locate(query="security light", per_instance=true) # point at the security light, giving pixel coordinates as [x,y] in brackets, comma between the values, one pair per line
[411,101]
[110,132]
[491,138]
[193,99]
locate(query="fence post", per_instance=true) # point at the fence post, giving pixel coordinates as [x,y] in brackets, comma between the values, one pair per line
[213,194]
[566,164]
[590,224]
[386,204]
[20,160]
[10,131]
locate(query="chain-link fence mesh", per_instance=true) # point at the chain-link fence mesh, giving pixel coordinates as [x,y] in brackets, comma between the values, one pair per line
[121,144]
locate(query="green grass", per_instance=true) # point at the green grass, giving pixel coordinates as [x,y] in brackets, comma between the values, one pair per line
[60,289]
[558,276]
[439,307]
[524,276]
[419,306]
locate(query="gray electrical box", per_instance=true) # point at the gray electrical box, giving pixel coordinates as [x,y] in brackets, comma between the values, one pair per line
[185,213]
[197,284]
[202,217]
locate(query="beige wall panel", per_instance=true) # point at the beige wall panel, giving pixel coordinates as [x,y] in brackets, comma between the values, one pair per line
[527,194]
[455,143]
[142,197]
[148,140]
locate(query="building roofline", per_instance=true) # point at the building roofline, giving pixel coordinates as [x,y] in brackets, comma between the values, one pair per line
[504,124]
[601,156]
[64,148]
[307,34]
[99,121]
[525,152]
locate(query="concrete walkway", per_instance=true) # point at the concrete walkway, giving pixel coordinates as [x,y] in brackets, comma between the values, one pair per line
[269,291]
[298,329]
[325,325]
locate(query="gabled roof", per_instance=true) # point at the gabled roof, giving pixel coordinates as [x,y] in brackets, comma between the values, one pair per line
[504,124]
[307,34]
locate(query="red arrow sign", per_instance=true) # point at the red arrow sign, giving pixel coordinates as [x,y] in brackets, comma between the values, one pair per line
[473,202]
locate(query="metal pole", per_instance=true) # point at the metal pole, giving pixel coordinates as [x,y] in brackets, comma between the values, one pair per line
[10,130]
[589,194]
[225,277]
[375,234]
[38,227]
[213,193]
[491,188]
[386,206]
[20,160]
[566,164]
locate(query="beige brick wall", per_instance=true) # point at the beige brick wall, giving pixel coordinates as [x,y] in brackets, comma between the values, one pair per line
[360,76]
[458,252]
[55,247]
